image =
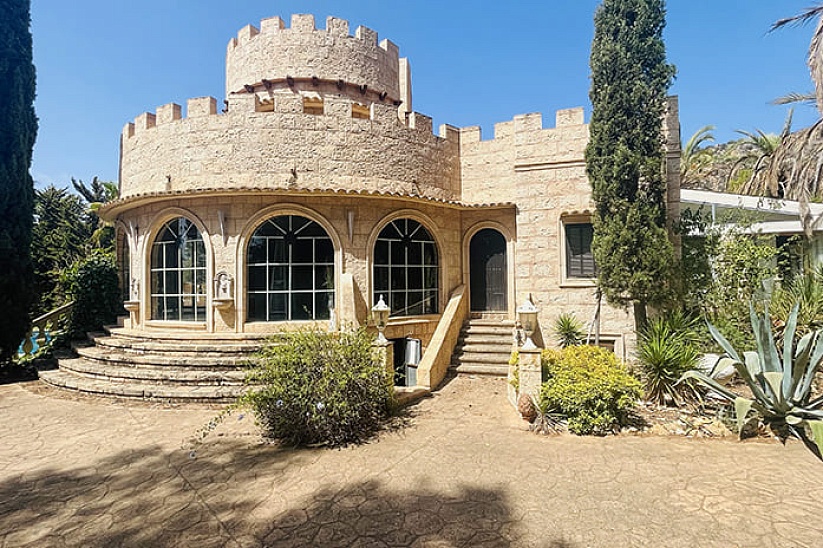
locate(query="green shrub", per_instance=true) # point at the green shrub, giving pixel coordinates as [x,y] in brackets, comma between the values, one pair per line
[590,386]
[667,349]
[320,387]
[93,285]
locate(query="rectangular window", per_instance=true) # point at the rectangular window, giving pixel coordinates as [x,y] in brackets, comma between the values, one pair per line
[579,259]
[362,112]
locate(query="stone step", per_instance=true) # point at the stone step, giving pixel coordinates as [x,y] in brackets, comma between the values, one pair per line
[209,348]
[109,356]
[488,329]
[175,337]
[142,375]
[496,358]
[480,369]
[471,345]
[161,393]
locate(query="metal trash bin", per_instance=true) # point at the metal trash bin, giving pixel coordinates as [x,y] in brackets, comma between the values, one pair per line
[414,352]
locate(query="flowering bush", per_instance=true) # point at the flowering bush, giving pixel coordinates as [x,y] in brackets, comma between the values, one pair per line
[319,387]
[590,387]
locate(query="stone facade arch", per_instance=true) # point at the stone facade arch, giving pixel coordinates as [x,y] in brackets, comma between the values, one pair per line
[511,262]
[431,227]
[144,251]
[241,259]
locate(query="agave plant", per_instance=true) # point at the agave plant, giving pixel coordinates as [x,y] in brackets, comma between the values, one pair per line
[666,350]
[781,384]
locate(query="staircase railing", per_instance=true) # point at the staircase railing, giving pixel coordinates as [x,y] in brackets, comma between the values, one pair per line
[44,328]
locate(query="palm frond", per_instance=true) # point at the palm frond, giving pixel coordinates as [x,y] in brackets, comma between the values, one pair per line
[794,98]
[801,18]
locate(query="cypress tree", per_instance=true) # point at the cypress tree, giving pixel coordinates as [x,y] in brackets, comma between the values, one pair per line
[18,129]
[625,157]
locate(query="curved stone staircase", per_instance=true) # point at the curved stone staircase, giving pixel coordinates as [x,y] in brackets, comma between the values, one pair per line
[158,366]
[483,348]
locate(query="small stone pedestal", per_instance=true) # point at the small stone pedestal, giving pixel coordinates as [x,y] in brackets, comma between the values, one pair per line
[530,373]
[383,352]
[133,308]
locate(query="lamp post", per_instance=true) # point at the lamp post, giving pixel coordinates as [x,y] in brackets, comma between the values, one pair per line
[527,314]
[380,313]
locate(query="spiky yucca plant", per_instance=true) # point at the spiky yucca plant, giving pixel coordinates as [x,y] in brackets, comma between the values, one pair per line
[781,384]
[568,329]
[666,351]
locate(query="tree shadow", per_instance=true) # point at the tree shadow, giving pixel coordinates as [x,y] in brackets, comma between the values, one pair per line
[235,494]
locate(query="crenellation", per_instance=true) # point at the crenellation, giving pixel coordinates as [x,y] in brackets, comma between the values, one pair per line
[471,134]
[272,24]
[420,122]
[245,34]
[366,34]
[302,22]
[168,113]
[569,117]
[128,130]
[145,121]
[390,47]
[201,106]
[337,27]
[243,102]
[503,130]
[448,132]
[528,122]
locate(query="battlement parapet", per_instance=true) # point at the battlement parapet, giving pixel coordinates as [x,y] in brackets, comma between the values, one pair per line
[275,51]
[338,112]
[571,119]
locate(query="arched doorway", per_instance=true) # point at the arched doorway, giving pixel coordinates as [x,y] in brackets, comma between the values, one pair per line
[487,271]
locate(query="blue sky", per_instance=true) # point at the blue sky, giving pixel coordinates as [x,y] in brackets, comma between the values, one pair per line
[101,63]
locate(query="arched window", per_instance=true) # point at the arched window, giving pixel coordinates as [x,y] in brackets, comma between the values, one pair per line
[178,273]
[406,268]
[290,271]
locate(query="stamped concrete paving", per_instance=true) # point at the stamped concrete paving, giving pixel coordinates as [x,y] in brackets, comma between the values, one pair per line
[84,472]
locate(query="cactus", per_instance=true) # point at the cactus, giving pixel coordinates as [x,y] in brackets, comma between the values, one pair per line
[780,382]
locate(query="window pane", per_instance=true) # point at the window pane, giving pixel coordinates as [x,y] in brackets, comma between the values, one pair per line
[278,310]
[257,250]
[322,304]
[324,276]
[398,252]
[302,277]
[429,254]
[398,277]
[157,286]
[324,251]
[381,278]
[415,303]
[302,251]
[381,252]
[398,304]
[257,307]
[257,278]
[171,256]
[278,278]
[415,277]
[416,253]
[302,306]
[278,251]
[172,283]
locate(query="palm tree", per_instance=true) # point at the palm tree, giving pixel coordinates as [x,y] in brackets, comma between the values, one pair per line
[694,156]
[97,194]
[815,60]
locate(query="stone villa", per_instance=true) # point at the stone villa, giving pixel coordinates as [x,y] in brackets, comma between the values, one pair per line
[314,189]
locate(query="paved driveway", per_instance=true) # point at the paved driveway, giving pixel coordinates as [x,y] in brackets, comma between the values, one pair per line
[84,472]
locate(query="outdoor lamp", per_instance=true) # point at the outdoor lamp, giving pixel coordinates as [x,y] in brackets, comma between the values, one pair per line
[380,313]
[527,313]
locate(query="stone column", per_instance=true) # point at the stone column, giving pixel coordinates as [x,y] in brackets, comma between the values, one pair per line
[530,372]
[383,352]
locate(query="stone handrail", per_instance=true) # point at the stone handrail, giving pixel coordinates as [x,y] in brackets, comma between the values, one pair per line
[435,362]
[44,327]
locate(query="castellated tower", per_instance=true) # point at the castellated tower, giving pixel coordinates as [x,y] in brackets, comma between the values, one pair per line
[307,108]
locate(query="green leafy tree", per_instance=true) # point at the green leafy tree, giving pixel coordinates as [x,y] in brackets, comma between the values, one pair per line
[61,236]
[625,156]
[18,130]
[97,194]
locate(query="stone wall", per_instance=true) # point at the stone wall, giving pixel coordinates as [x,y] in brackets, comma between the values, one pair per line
[274,52]
[543,171]
[287,149]
[352,222]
